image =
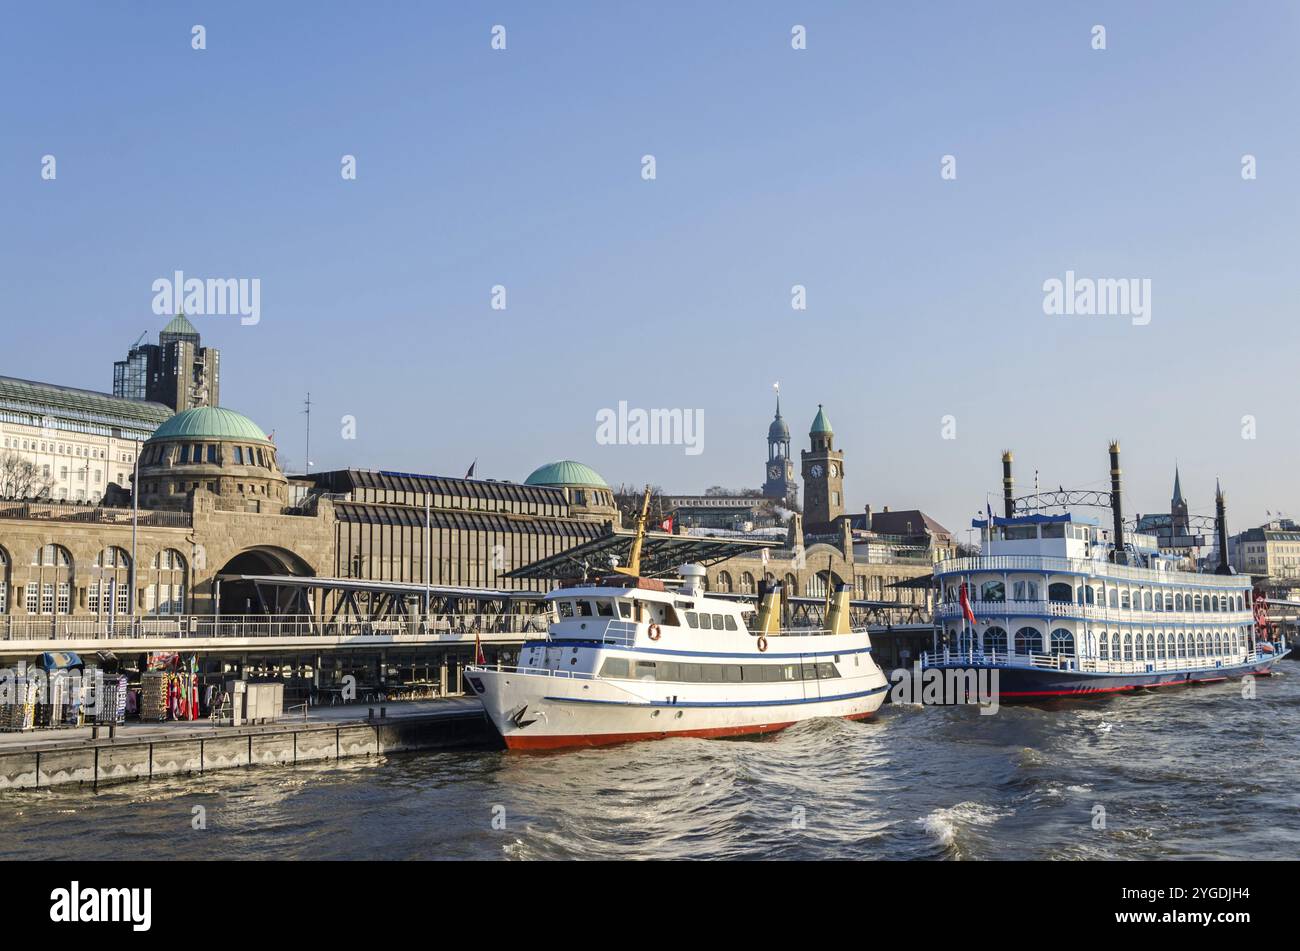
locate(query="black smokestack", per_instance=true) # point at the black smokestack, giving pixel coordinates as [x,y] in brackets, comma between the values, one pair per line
[1117,506]
[1221,526]
[1008,503]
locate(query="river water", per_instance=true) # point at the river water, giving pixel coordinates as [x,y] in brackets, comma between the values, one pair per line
[1180,773]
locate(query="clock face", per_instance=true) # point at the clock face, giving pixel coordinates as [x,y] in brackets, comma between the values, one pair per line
[816,471]
[835,470]
[774,472]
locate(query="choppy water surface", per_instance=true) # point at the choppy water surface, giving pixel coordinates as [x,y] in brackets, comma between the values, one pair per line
[1184,773]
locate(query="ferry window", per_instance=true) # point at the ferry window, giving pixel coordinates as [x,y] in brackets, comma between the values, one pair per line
[584,609]
[645,670]
[1178,601]
[731,673]
[566,608]
[692,619]
[993,591]
[792,672]
[809,671]
[718,623]
[706,622]
[691,673]
[1062,641]
[1125,599]
[668,670]
[731,623]
[614,667]
[605,608]
[1103,648]
[1160,602]
[753,673]
[1061,593]
[1020,533]
[1128,646]
[624,610]
[668,616]
[1114,597]
[712,673]
[827,671]
[773,673]
[1054,530]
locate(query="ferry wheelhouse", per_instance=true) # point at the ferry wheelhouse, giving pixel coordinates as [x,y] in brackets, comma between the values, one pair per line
[631,658]
[1057,610]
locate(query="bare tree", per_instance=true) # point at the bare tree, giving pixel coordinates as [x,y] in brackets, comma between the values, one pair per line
[22,479]
[628,499]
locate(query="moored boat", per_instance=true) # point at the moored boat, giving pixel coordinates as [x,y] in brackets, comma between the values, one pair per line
[630,658]
[1058,607]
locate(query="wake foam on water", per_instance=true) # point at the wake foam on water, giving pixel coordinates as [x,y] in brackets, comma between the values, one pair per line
[946,826]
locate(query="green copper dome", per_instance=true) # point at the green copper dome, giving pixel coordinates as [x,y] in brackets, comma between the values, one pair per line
[210,422]
[821,425]
[566,472]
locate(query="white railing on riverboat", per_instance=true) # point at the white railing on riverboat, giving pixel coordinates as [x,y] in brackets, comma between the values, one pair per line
[1072,662]
[1041,564]
[985,610]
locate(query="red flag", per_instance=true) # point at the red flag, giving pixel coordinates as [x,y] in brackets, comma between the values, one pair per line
[479,657]
[965,604]
[667,525]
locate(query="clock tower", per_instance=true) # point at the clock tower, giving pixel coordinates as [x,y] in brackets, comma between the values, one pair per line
[823,478]
[778,474]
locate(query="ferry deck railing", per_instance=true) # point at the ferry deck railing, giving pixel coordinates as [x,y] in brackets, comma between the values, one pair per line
[1047,564]
[1091,612]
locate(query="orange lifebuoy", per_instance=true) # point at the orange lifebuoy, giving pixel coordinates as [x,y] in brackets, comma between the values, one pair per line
[653,632]
[762,643]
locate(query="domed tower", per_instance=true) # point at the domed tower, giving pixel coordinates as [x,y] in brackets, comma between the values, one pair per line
[217,450]
[779,471]
[823,476]
[588,494]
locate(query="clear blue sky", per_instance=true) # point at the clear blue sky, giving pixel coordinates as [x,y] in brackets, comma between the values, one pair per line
[775,167]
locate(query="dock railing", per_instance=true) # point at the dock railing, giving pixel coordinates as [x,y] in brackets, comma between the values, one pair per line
[436,627]
[1070,662]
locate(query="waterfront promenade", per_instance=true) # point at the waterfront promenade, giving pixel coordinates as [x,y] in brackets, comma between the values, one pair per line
[41,758]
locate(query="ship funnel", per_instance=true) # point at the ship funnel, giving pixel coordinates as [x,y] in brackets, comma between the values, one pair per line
[837,618]
[769,609]
[692,579]
[1008,502]
[1118,554]
[1221,526]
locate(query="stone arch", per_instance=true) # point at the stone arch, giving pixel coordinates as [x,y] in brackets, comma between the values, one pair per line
[241,597]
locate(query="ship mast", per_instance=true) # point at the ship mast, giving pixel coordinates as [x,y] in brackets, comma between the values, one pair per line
[634,557]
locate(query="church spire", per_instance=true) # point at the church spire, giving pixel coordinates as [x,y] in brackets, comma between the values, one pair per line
[1178,486]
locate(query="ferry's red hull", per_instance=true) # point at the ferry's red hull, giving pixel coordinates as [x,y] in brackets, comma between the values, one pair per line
[516,741]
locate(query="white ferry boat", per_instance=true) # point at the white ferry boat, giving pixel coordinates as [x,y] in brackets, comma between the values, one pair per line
[629,658]
[1058,609]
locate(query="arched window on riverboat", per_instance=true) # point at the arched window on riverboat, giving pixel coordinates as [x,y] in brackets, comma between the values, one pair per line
[1114,646]
[1160,646]
[993,591]
[1146,600]
[1059,592]
[1125,599]
[1139,652]
[1114,597]
[1128,646]
[1181,647]
[1200,644]
[1103,647]
[1151,646]
[1062,642]
[1178,601]
[1196,603]
[1029,640]
[995,640]
[1169,601]
[1159,604]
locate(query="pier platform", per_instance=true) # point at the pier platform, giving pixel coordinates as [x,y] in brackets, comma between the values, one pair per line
[36,759]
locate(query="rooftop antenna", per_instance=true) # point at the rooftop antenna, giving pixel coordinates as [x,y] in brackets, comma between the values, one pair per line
[307,412]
